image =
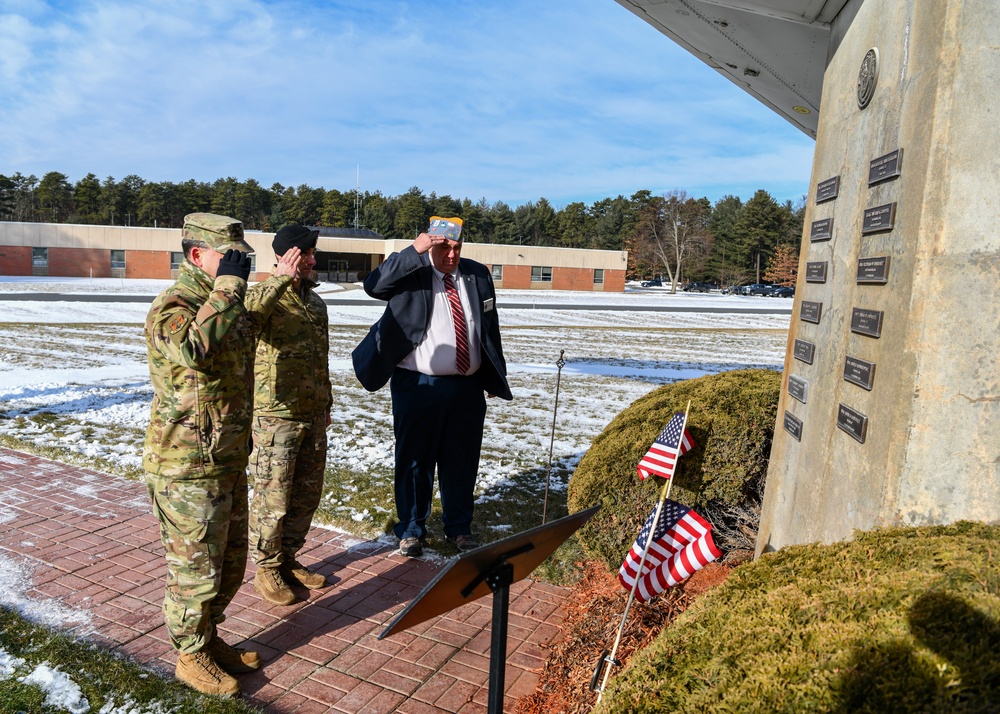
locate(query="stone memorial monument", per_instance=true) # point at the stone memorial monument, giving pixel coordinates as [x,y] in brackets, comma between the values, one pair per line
[890,407]
[902,421]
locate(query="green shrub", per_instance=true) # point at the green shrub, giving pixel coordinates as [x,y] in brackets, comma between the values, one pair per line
[900,620]
[731,421]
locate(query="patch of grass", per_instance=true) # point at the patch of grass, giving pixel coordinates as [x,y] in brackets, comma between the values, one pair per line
[565,565]
[104,679]
[359,503]
[899,620]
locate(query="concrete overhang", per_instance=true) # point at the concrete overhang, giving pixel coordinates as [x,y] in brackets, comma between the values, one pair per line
[776,50]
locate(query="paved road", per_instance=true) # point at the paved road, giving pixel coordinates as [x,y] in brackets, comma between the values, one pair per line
[767,307]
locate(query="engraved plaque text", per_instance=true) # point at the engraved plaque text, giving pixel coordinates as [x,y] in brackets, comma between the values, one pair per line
[798,387]
[793,425]
[804,351]
[821,230]
[885,167]
[853,422]
[811,311]
[873,270]
[879,219]
[827,190]
[816,272]
[859,372]
[867,322]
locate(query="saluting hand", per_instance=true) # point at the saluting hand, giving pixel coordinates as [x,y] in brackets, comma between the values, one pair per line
[425,241]
[234,262]
[288,264]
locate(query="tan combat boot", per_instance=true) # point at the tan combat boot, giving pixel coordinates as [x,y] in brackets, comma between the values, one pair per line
[200,672]
[234,660]
[269,584]
[296,572]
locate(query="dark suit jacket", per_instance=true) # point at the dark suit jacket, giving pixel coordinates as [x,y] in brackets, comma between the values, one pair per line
[405,281]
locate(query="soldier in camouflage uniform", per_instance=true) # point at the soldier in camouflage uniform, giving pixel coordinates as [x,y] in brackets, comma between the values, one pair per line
[199,341]
[292,399]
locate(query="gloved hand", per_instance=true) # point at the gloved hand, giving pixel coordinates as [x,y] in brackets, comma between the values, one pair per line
[234,262]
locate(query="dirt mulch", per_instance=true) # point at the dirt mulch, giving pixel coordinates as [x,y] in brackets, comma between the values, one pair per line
[593,616]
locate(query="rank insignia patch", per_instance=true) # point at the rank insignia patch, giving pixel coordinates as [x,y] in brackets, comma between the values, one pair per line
[177,323]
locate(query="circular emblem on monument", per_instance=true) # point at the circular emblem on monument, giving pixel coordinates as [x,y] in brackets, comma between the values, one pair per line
[867,78]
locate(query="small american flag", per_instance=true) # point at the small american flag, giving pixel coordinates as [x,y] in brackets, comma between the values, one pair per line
[682,544]
[661,459]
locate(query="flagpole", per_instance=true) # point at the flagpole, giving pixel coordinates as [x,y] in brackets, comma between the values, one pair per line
[560,363]
[664,492]
[670,481]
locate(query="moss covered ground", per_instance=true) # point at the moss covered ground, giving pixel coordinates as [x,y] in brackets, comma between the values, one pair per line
[899,620]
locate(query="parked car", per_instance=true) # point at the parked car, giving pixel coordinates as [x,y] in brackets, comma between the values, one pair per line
[760,289]
[782,292]
[700,287]
[654,283]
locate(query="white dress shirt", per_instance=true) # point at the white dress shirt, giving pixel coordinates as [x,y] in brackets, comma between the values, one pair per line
[436,352]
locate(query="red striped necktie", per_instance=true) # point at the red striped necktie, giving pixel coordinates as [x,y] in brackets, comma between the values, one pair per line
[461,329]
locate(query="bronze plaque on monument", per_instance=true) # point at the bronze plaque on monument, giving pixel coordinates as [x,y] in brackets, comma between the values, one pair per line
[798,387]
[810,311]
[867,322]
[873,270]
[793,425]
[827,190]
[885,167]
[804,351]
[879,219]
[853,422]
[816,272]
[821,230]
[859,372]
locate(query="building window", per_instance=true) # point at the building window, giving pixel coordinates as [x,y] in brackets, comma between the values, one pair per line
[498,273]
[117,259]
[598,276]
[253,263]
[541,274]
[39,261]
[176,258]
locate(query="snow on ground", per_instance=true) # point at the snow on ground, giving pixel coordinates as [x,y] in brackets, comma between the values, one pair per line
[73,376]
[82,365]
[15,584]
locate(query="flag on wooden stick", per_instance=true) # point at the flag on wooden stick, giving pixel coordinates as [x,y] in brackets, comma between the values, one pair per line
[682,544]
[661,459]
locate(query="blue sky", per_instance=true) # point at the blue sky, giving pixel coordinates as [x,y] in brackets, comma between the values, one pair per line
[508,100]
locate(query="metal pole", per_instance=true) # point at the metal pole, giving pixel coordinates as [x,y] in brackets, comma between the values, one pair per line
[645,551]
[499,582]
[560,363]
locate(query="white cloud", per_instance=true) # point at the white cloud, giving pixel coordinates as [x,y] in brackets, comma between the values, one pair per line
[570,99]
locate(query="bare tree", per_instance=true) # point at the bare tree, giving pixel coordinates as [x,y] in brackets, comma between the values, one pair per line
[674,228]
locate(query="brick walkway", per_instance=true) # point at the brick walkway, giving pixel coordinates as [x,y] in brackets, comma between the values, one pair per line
[93,545]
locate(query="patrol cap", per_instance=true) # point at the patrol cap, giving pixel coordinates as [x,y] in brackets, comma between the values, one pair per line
[220,233]
[450,228]
[294,236]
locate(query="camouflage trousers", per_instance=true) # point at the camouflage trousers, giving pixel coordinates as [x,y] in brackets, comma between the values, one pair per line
[287,465]
[203,526]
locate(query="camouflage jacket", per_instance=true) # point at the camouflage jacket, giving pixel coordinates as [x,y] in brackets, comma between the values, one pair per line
[291,368]
[199,342]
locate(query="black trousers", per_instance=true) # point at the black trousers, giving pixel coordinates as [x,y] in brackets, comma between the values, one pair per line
[438,423]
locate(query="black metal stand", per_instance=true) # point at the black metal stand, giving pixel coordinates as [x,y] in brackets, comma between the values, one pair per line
[499,581]
[490,569]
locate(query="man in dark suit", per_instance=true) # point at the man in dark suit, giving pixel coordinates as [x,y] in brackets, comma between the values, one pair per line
[438,345]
